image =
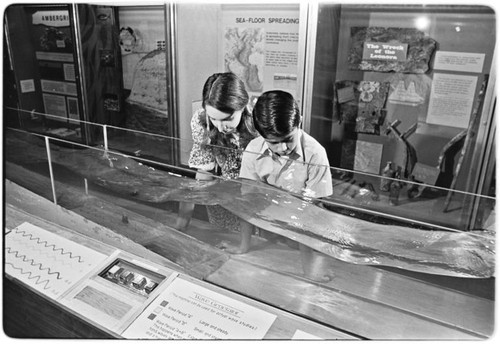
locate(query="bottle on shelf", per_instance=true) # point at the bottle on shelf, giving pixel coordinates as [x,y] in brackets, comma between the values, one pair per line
[395,189]
[387,172]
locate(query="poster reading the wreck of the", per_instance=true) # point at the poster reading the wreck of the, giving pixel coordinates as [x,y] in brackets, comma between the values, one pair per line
[392,49]
[261,46]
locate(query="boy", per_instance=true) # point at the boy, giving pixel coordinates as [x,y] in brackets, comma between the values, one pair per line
[287,158]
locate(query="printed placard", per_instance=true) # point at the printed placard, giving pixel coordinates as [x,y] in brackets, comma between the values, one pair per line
[451,100]
[384,51]
[55,106]
[368,156]
[185,310]
[460,62]
[47,262]
[27,85]
[68,88]
[425,173]
[345,94]
[69,72]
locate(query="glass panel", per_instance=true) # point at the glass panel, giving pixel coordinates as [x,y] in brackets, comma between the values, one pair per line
[396,94]
[75,165]
[26,163]
[45,123]
[293,235]
[148,146]
[295,215]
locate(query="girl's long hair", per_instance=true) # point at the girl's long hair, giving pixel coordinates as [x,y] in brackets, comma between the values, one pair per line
[226,93]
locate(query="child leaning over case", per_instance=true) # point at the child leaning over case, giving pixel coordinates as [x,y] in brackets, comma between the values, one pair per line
[221,129]
[287,157]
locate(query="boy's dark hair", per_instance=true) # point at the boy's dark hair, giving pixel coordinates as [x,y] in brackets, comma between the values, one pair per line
[276,113]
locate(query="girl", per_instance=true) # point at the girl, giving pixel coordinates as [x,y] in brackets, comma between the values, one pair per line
[221,130]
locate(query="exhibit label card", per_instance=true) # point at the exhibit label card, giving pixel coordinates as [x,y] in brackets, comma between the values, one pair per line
[261,46]
[27,85]
[185,310]
[460,62]
[47,262]
[368,156]
[451,100]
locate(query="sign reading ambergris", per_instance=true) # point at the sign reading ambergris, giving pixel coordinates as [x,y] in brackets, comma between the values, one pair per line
[51,18]
[383,49]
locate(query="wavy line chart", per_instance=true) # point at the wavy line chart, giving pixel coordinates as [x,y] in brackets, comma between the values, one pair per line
[45,261]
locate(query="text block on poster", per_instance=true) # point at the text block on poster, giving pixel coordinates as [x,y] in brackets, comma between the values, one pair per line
[185,310]
[451,100]
[261,46]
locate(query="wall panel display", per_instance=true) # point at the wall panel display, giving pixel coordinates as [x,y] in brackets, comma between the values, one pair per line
[261,46]
[53,41]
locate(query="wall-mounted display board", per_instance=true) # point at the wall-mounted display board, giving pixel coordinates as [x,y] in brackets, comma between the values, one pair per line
[261,46]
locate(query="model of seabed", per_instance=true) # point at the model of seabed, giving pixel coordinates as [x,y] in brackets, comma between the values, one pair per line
[461,254]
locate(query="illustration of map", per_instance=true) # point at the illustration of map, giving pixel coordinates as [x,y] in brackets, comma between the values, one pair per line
[244,55]
[45,261]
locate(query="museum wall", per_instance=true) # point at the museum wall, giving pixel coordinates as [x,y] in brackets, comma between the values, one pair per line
[197,24]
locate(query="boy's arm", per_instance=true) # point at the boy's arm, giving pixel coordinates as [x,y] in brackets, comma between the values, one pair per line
[319,181]
[247,170]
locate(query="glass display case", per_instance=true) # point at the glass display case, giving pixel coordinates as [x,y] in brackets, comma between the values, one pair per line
[138,197]
[42,55]
[102,64]
[404,111]
[410,100]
